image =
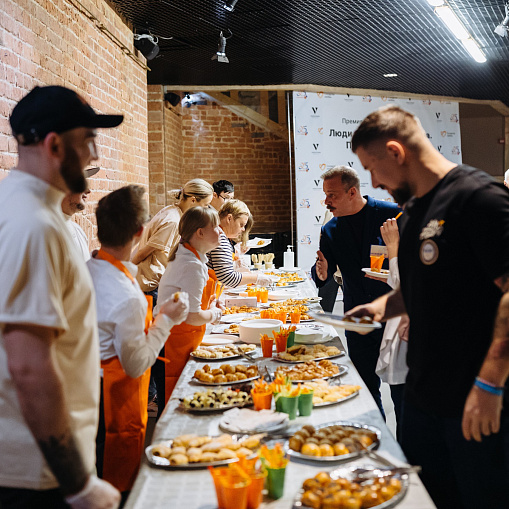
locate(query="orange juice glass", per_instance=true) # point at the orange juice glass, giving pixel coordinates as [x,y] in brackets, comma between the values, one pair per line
[295,317]
[251,292]
[262,400]
[234,496]
[255,490]
[281,316]
[280,344]
[258,295]
[267,345]
[264,295]
[376,262]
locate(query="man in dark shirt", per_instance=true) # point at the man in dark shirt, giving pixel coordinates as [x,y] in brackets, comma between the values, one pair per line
[346,242]
[454,267]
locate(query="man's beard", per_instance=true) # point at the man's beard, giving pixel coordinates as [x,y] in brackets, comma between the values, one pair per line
[71,171]
[402,194]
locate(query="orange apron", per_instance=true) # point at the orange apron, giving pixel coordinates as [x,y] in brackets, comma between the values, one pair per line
[125,410]
[184,338]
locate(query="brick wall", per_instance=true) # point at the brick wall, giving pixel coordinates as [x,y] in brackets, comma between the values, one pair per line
[50,42]
[254,160]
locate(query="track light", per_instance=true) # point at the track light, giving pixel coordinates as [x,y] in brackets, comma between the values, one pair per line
[503,28]
[229,5]
[220,55]
[147,44]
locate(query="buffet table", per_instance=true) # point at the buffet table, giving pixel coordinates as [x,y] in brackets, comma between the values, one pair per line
[194,489]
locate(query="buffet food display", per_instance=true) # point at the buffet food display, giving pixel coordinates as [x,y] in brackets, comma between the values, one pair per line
[217,399]
[221,352]
[301,353]
[226,374]
[325,394]
[310,370]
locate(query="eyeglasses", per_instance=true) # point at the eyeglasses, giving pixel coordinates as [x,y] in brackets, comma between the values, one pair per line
[226,198]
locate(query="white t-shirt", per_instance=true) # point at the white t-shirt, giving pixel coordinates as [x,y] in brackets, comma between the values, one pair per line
[121,310]
[187,274]
[78,236]
[42,283]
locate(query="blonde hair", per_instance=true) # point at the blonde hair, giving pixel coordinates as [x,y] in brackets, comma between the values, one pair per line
[192,220]
[244,236]
[198,188]
[236,208]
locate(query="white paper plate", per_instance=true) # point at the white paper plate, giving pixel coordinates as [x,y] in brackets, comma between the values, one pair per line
[253,243]
[337,321]
[383,274]
[283,294]
[218,339]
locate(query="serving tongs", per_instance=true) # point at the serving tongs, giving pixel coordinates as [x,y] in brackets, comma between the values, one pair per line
[246,356]
[361,475]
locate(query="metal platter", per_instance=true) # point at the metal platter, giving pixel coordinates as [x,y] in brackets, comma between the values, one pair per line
[342,370]
[226,358]
[160,462]
[343,457]
[212,410]
[330,403]
[235,382]
[349,473]
[278,359]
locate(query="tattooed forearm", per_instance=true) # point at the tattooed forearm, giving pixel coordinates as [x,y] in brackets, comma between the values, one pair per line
[64,459]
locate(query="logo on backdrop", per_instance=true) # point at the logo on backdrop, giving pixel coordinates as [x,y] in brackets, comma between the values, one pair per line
[322,166]
[302,95]
[367,99]
[315,111]
[454,118]
[306,239]
[455,150]
[304,203]
[319,95]
[315,148]
[320,130]
[302,131]
[426,102]
[303,167]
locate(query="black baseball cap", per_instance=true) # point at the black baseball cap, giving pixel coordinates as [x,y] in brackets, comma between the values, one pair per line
[54,109]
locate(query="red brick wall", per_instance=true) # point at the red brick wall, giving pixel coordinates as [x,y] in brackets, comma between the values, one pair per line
[258,166]
[49,42]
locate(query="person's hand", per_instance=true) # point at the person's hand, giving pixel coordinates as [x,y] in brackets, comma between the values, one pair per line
[390,234]
[263,280]
[97,494]
[321,266]
[376,278]
[216,314]
[176,311]
[481,415]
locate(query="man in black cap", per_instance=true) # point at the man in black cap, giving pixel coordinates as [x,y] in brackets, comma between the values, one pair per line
[49,359]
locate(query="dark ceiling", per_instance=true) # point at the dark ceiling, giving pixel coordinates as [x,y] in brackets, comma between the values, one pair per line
[342,43]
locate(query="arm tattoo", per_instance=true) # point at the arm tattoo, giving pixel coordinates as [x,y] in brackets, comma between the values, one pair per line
[64,460]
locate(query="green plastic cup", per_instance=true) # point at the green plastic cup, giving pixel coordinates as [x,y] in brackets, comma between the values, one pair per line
[305,404]
[290,340]
[276,482]
[289,406]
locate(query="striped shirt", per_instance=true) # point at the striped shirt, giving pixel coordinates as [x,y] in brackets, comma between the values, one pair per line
[221,262]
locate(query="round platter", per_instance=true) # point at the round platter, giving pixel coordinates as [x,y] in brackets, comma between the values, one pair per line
[340,354]
[383,274]
[160,462]
[235,382]
[342,370]
[349,473]
[343,457]
[258,242]
[330,403]
[212,410]
[337,321]
[222,329]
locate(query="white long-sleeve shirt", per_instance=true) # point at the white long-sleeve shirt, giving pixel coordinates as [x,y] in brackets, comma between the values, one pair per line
[121,311]
[78,236]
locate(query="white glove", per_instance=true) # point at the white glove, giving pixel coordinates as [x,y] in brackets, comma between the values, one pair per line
[176,311]
[97,494]
[216,315]
[263,280]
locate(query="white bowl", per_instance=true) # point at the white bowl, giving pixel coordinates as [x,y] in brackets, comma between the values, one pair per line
[251,330]
[307,336]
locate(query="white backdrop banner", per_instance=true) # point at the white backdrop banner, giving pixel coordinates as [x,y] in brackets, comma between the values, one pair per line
[323,129]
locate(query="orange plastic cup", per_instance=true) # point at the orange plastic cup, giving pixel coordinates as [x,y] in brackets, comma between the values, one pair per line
[280,344]
[267,346]
[251,292]
[255,490]
[281,316]
[234,496]
[376,262]
[217,473]
[258,295]
[262,400]
[295,317]
[264,295]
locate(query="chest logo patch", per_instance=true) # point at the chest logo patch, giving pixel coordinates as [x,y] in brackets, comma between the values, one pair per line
[433,229]
[428,252]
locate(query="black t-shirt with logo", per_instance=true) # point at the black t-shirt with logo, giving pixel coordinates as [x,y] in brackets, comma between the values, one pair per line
[454,244]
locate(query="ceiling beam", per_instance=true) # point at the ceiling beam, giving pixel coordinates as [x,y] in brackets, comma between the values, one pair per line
[499,106]
[247,113]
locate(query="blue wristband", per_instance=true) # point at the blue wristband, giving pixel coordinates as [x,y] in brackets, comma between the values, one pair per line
[497,391]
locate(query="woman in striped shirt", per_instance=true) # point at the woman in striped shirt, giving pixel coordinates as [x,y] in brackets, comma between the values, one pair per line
[233,217]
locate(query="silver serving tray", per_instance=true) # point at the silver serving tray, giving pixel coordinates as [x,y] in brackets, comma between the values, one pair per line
[331,459]
[213,410]
[236,382]
[159,462]
[349,472]
[276,358]
[330,403]
[229,357]
[342,370]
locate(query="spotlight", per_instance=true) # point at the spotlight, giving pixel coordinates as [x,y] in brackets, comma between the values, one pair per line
[503,28]
[172,98]
[220,55]
[229,5]
[147,44]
